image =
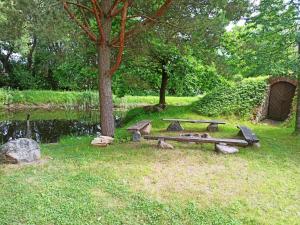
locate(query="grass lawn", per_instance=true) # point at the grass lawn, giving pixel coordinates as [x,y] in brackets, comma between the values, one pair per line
[134,183]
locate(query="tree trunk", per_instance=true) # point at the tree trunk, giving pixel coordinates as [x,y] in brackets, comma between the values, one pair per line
[164,84]
[107,122]
[30,54]
[7,66]
[297,125]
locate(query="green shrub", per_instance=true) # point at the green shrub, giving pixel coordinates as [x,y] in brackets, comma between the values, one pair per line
[234,99]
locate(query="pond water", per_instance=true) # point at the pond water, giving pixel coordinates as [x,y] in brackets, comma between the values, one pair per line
[49,126]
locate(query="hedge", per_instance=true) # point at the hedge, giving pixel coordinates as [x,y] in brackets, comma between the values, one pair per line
[238,99]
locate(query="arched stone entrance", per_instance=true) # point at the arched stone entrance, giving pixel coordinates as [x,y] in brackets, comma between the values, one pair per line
[282,92]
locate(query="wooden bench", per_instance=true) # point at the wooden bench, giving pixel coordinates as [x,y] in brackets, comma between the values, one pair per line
[248,135]
[176,126]
[139,129]
[236,142]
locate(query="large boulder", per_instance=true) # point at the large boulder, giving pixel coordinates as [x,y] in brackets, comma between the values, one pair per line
[22,150]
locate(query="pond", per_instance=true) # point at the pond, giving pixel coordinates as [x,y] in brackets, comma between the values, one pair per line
[49,126]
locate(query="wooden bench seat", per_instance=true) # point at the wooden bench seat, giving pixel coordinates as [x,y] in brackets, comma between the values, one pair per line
[176,126]
[248,135]
[139,129]
[236,142]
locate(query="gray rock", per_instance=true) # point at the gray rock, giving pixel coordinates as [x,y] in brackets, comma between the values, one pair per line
[164,145]
[175,126]
[256,145]
[205,135]
[22,150]
[196,135]
[136,136]
[225,149]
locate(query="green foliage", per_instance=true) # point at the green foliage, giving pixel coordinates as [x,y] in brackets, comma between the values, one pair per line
[23,79]
[235,99]
[75,76]
[265,45]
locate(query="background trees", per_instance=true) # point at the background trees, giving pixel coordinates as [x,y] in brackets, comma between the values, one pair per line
[188,51]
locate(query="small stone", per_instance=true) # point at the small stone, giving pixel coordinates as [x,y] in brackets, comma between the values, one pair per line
[22,150]
[205,135]
[136,136]
[164,145]
[175,126]
[256,145]
[225,149]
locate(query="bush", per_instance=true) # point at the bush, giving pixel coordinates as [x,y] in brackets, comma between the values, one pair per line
[234,99]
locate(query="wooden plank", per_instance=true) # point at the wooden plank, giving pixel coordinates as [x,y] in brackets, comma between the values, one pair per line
[248,134]
[200,140]
[195,121]
[140,125]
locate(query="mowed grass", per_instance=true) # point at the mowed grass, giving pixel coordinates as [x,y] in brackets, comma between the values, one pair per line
[135,183]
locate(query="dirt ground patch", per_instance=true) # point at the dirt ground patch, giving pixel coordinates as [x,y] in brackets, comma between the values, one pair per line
[191,176]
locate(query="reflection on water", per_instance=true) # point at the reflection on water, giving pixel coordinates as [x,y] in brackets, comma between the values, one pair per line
[45,131]
[49,126]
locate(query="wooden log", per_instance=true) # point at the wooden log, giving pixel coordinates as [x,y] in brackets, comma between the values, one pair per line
[237,142]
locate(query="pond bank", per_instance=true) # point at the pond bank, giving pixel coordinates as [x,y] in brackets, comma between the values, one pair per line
[44,99]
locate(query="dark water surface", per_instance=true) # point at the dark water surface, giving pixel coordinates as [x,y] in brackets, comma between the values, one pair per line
[49,126]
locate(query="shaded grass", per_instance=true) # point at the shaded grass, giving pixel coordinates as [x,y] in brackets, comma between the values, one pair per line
[134,183]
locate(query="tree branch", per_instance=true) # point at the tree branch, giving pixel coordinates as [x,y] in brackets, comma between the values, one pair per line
[116,12]
[86,23]
[80,6]
[121,39]
[113,7]
[90,34]
[147,22]
[99,23]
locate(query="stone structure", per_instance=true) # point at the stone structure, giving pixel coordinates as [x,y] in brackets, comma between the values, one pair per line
[263,111]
